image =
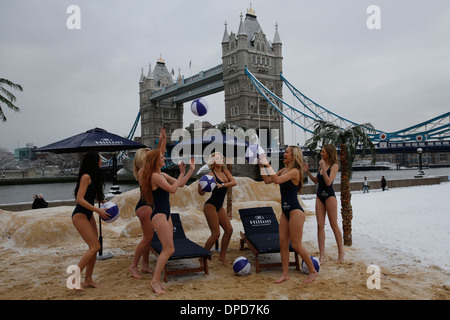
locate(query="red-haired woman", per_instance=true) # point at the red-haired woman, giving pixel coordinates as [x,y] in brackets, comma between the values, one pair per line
[156,187]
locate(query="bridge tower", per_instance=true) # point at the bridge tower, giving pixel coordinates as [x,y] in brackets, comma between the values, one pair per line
[157,114]
[250,48]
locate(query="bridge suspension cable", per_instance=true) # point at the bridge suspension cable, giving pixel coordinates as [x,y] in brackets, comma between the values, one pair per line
[435,129]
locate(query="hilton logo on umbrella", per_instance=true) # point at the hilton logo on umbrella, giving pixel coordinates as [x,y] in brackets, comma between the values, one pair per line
[108,142]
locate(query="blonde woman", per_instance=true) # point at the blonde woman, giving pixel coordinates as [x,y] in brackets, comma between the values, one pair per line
[326,202]
[143,212]
[215,214]
[290,179]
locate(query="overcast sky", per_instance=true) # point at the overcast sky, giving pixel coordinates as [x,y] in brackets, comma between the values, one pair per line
[75,80]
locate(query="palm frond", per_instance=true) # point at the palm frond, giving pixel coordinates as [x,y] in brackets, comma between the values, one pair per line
[7,98]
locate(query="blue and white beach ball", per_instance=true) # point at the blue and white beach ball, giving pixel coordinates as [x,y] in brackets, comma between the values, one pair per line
[242,266]
[315,262]
[251,155]
[207,183]
[112,209]
[199,107]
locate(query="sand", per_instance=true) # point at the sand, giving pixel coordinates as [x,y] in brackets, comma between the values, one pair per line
[37,246]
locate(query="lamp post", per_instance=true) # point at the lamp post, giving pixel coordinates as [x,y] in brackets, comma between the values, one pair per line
[317,150]
[420,173]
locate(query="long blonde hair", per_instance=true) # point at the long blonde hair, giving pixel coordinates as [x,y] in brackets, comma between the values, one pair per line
[297,163]
[211,161]
[139,159]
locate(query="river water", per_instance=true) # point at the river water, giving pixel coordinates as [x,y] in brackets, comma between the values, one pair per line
[64,191]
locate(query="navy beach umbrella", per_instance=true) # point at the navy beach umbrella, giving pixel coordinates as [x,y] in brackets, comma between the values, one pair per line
[101,141]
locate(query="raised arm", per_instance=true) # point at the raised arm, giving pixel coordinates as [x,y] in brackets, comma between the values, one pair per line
[306,169]
[185,177]
[269,175]
[328,178]
[162,141]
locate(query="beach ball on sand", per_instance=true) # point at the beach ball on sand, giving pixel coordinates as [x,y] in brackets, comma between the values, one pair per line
[112,209]
[207,183]
[241,266]
[315,262]
[199,107]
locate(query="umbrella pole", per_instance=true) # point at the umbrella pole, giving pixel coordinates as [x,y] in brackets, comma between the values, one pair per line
[100,238]
[100,255]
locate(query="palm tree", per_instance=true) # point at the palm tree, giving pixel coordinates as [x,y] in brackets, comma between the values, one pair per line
[8,99]
[348,140]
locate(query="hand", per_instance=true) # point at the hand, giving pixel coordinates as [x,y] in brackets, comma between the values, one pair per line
[192,164]
[103,214]
[322,164]
[199,189]
[181,167]
[263,160]
[305,167]
[162,134]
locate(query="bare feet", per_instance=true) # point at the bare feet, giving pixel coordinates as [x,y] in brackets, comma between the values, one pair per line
[311,277]
[282,278]
[157,288]
[224,261]
[322,258]
[89,284]
[341,257]
[134,272]
[147,269]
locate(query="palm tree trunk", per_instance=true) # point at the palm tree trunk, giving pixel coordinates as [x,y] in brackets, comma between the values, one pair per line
[346,206]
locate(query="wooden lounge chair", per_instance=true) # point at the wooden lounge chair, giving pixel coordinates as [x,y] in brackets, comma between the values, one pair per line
[261,235]
[184,249]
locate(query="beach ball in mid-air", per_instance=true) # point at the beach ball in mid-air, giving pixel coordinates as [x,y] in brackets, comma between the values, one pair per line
[252,153]
[112,209]
[207,183]
[315,262]
[199,107]
[241,266]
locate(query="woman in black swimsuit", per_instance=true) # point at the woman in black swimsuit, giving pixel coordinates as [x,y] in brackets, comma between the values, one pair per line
[156,187]
[215,214]
[89,188]
[143,212]
[326,202]
[290,179]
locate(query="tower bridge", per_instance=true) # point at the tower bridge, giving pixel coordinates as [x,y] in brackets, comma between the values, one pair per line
[183,90]
[162,95]
[251,77]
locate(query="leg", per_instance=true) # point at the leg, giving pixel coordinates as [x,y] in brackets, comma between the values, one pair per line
[225,223]
[284,248]
[143,248]
[331,205]
[296,221]
[88,231]
[320,216]
[164,228]
[213,223]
